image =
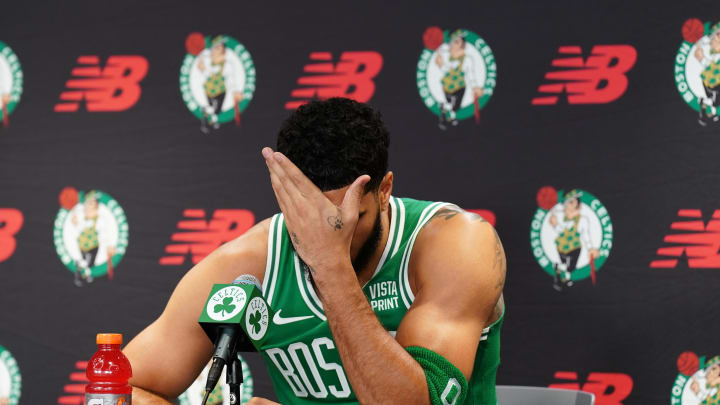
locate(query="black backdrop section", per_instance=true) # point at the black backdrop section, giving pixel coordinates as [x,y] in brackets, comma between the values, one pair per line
[644,156]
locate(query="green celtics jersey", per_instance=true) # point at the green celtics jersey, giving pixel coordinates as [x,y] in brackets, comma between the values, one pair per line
[299,350]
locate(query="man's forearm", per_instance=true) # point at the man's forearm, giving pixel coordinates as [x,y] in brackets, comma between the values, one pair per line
[142,397]
[379,369]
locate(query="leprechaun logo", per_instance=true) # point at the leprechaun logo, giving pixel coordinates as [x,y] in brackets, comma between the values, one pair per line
[91,234]
[10,380]
[570,235]
[221,394]
[11,83]
[456,74]
[697,69]
[698,381]
[217,79]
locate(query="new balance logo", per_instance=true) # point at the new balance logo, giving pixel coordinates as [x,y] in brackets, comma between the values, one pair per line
[198,237]
[75,391]
[698,241]
[598,80]
[609,388]
[113,88]
[11,220]
[352,77]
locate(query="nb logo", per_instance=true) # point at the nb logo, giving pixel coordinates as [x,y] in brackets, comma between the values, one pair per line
[278,320]
[598,80]
[352,77]
[73,393]
[198,237]
[11,220]
[113,88]
[698,241]
[609,388]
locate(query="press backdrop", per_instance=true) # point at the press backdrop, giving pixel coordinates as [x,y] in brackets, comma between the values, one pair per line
[111,105]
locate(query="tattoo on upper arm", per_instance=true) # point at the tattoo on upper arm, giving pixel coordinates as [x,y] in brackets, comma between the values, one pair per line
[450,211]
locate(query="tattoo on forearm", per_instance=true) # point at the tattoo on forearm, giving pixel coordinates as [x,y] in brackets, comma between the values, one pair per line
[336,221]
[307,268]
[295,240]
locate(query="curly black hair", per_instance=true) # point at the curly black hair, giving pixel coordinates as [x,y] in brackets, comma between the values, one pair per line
[335,141]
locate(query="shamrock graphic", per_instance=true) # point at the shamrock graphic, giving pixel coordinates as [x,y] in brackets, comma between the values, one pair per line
[255,321]
[226,306]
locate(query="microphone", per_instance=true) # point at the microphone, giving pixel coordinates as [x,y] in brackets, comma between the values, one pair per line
[235,318]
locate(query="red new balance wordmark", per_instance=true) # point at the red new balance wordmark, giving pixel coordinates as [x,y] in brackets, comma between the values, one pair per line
[599,79]
[11,220]
[198,237]
[609,388]
[698,241]
[113,88]
[75,391]
[352,77]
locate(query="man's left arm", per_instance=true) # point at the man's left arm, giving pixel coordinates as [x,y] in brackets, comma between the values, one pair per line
[458,266]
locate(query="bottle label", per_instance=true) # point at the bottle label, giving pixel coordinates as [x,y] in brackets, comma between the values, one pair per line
[108,399]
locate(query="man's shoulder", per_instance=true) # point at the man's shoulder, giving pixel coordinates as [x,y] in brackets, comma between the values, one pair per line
[453,235]
[248,251]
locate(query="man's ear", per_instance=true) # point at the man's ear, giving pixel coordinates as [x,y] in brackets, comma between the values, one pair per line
[385,190]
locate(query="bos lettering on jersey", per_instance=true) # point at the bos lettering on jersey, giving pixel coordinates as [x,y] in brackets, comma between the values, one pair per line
[383,296]
[307,370]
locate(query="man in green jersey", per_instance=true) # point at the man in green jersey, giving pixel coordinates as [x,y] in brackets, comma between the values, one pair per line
[377,299]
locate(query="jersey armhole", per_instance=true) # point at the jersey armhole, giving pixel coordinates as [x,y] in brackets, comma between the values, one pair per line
[273,257]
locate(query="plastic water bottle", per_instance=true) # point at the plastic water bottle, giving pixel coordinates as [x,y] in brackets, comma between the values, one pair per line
[108,371]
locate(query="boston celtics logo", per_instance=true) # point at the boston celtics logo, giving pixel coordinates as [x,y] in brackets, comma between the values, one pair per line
[91,234]
[256,318]
[11,83]
[10,380]
[221,394]
[697,69]
[217,79]
[698,381]
[456,74]
[226,303]
[570,235]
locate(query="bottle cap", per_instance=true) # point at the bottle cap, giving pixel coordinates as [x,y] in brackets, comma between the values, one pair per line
[109,338]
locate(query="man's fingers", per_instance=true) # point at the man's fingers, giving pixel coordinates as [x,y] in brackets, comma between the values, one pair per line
[351,202]
[283,199]
[282,177]
[296,175]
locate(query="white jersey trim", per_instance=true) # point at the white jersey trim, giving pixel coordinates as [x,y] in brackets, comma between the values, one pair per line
[426,215]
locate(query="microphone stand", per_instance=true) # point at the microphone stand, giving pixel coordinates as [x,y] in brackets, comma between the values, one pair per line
[234,379]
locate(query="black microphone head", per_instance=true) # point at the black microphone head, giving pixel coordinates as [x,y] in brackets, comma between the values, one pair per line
[248,279]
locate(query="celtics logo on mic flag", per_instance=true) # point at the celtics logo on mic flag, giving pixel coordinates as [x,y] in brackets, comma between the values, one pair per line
[570,235]
[236,304]
[90,234]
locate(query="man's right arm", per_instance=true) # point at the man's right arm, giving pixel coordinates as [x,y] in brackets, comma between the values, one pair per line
[170,353]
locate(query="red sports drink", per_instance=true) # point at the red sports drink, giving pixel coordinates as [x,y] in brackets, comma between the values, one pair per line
[108,371]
